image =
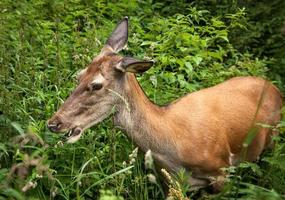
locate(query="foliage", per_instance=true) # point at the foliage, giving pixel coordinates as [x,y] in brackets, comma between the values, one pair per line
[44,43]
[262,33]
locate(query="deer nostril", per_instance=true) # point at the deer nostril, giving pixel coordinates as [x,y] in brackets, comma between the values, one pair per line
[54,126]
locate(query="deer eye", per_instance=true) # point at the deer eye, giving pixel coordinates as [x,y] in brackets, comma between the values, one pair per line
[96,86]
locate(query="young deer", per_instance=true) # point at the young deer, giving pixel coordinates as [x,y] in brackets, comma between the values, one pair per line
[201,132]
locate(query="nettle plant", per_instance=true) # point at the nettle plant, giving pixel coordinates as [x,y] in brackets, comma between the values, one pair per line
[191,52]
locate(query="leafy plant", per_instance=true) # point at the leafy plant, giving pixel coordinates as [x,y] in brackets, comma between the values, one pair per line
[43,44]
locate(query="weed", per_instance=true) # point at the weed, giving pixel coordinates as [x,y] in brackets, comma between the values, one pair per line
[43,44]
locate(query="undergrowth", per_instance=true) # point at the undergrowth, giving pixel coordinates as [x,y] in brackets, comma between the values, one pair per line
[42,46]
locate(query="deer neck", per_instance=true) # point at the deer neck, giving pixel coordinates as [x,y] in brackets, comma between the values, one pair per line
[139,117]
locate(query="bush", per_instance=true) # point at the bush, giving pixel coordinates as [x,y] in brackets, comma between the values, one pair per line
[44,43]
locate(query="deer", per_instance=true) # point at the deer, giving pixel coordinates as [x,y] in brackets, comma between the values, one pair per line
[201,132]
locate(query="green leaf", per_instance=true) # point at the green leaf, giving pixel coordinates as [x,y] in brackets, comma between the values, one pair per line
[18,127]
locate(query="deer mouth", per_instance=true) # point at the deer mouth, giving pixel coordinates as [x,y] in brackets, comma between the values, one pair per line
[73,134]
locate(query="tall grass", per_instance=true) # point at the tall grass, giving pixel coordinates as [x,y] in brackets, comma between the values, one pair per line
[42,46]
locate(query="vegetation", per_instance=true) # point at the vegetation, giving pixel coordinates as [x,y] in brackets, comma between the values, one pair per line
[44,43]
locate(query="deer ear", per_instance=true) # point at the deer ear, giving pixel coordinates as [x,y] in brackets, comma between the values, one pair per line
[119,37]
[133,65]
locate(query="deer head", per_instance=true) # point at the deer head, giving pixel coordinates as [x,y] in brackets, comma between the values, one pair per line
[99,87]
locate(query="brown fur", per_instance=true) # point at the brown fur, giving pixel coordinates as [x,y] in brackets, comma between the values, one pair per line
[201,132]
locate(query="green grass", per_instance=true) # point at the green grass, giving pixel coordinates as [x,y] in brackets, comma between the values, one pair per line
[42,46]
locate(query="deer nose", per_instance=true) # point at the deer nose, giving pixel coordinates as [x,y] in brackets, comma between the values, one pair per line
[54,125]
